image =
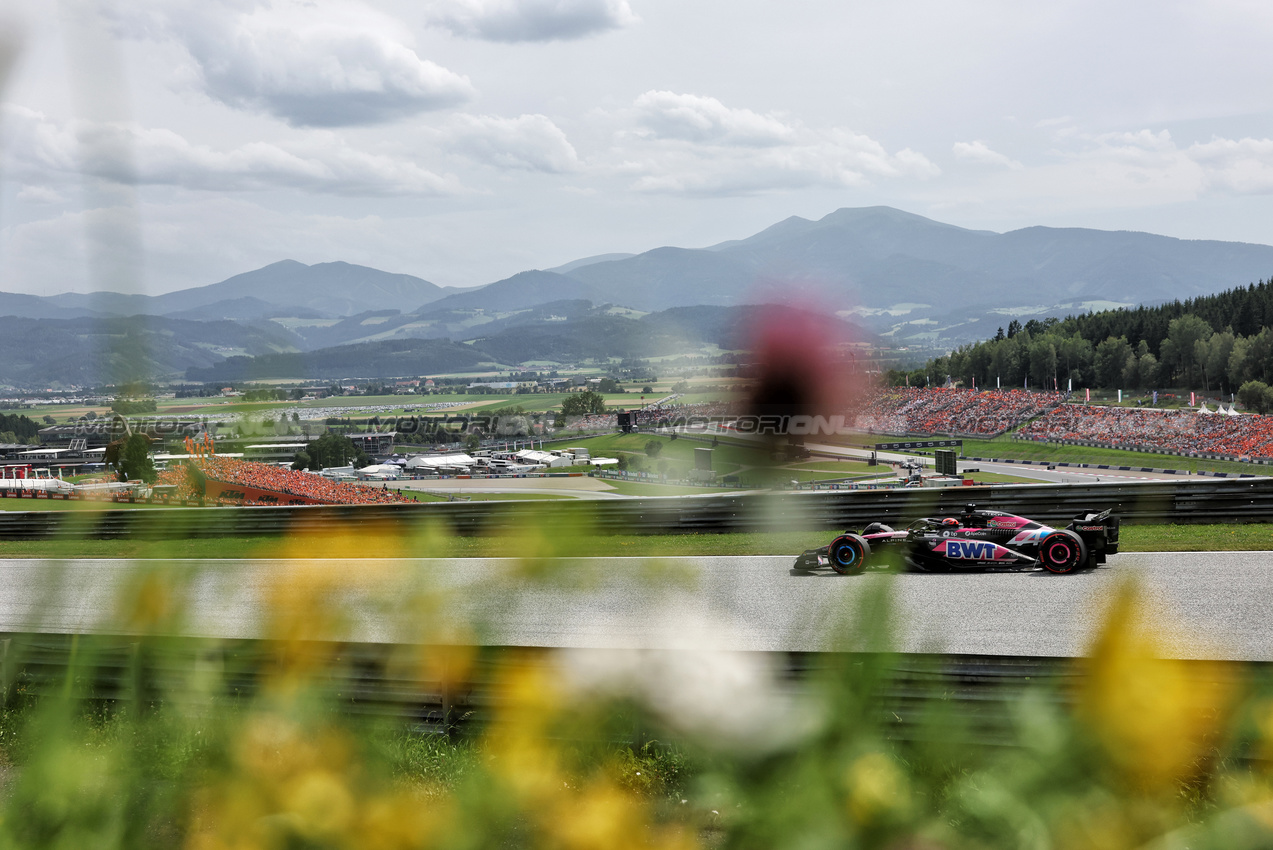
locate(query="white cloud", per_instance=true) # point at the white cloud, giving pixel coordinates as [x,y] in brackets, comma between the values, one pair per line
[697,145]
[980,153]
[1241,166]
[528,142]
[347,65]
[193,243]
[1134,142]
[1096,171]
[705,120]
[43,149]
[530,20]
[39,195]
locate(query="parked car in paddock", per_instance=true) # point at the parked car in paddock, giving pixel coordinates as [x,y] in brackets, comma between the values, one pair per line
[978,540]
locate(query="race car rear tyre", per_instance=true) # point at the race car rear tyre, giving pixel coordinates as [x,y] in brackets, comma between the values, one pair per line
[1062,552]
[848,553]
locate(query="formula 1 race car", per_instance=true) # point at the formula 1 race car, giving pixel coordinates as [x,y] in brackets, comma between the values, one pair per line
[977,540]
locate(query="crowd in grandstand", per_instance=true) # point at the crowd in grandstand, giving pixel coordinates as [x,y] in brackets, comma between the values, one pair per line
[1045,416]
[594,422]
[276,479]
[1162,430]
[657,416]
[914,410]
[650,417]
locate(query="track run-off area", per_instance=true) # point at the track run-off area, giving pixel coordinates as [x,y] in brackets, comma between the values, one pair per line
[1216,605]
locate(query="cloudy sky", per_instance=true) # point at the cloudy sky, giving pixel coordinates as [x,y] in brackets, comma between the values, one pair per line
[154,145]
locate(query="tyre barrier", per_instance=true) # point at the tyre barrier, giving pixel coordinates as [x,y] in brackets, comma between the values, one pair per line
[1186,502]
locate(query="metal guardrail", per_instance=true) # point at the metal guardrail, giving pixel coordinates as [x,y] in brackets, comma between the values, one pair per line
[365,680]
[1185,502]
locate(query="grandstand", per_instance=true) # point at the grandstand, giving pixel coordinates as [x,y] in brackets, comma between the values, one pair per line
[954,412]
[1044,416]
[239,482]
[1171,431]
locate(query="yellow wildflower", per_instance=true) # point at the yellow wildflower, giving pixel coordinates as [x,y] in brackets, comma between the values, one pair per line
[876,786]
[1153,715]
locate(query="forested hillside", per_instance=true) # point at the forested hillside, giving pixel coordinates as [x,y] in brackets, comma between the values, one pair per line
[1214,343]
[363,360]
[572,332]
[85,352]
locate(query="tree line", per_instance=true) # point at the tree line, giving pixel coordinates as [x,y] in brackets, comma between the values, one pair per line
[16,428]
[1214,343]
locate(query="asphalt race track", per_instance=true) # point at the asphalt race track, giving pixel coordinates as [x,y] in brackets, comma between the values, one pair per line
[1211,605]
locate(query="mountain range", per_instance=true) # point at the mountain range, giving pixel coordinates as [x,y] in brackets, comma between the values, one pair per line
[283,289]
[910,279]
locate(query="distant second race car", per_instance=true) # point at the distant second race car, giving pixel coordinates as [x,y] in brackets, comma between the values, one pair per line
[977,540]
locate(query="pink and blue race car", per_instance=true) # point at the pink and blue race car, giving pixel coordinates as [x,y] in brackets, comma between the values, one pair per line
[976,540]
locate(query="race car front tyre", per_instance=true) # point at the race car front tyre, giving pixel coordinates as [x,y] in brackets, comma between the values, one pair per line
[848,553]
[1062,552]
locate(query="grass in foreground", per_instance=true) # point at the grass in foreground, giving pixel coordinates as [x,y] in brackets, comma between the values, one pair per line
[208,748]
[1135,538]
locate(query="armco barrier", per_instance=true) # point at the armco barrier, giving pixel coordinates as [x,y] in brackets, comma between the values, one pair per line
[1243,500]
[977,692]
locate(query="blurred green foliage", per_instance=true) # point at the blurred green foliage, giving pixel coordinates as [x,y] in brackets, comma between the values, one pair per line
[681,750]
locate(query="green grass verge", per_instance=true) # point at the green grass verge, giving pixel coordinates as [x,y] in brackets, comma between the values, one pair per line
[999,478]
[642,488]
[842,467]
[1135,538]
[42,504]
[487,497]
[1007,448]
[679,453]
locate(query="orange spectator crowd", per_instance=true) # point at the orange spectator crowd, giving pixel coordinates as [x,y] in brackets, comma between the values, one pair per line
[276,479]
[981,413]
[659,416]
[1163,430]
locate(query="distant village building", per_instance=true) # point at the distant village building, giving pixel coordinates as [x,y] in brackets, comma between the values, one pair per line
[504,385]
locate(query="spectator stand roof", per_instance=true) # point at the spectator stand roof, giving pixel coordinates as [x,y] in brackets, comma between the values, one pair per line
[434,461]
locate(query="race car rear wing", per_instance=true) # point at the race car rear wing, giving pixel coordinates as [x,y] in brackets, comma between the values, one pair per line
[1099,531]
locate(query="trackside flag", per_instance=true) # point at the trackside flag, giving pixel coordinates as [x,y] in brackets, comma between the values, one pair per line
[1088,394]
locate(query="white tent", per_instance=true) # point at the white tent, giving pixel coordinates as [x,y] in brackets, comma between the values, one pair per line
[543,458]
[1233,411]
[1202,408]
[436,461]
[381,469]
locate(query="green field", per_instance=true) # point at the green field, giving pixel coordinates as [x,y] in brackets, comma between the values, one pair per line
[28,504]
[843,467]
[644,488]
[999,478]
[396,404]
[679,453]
[1007,448]
[484,497]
